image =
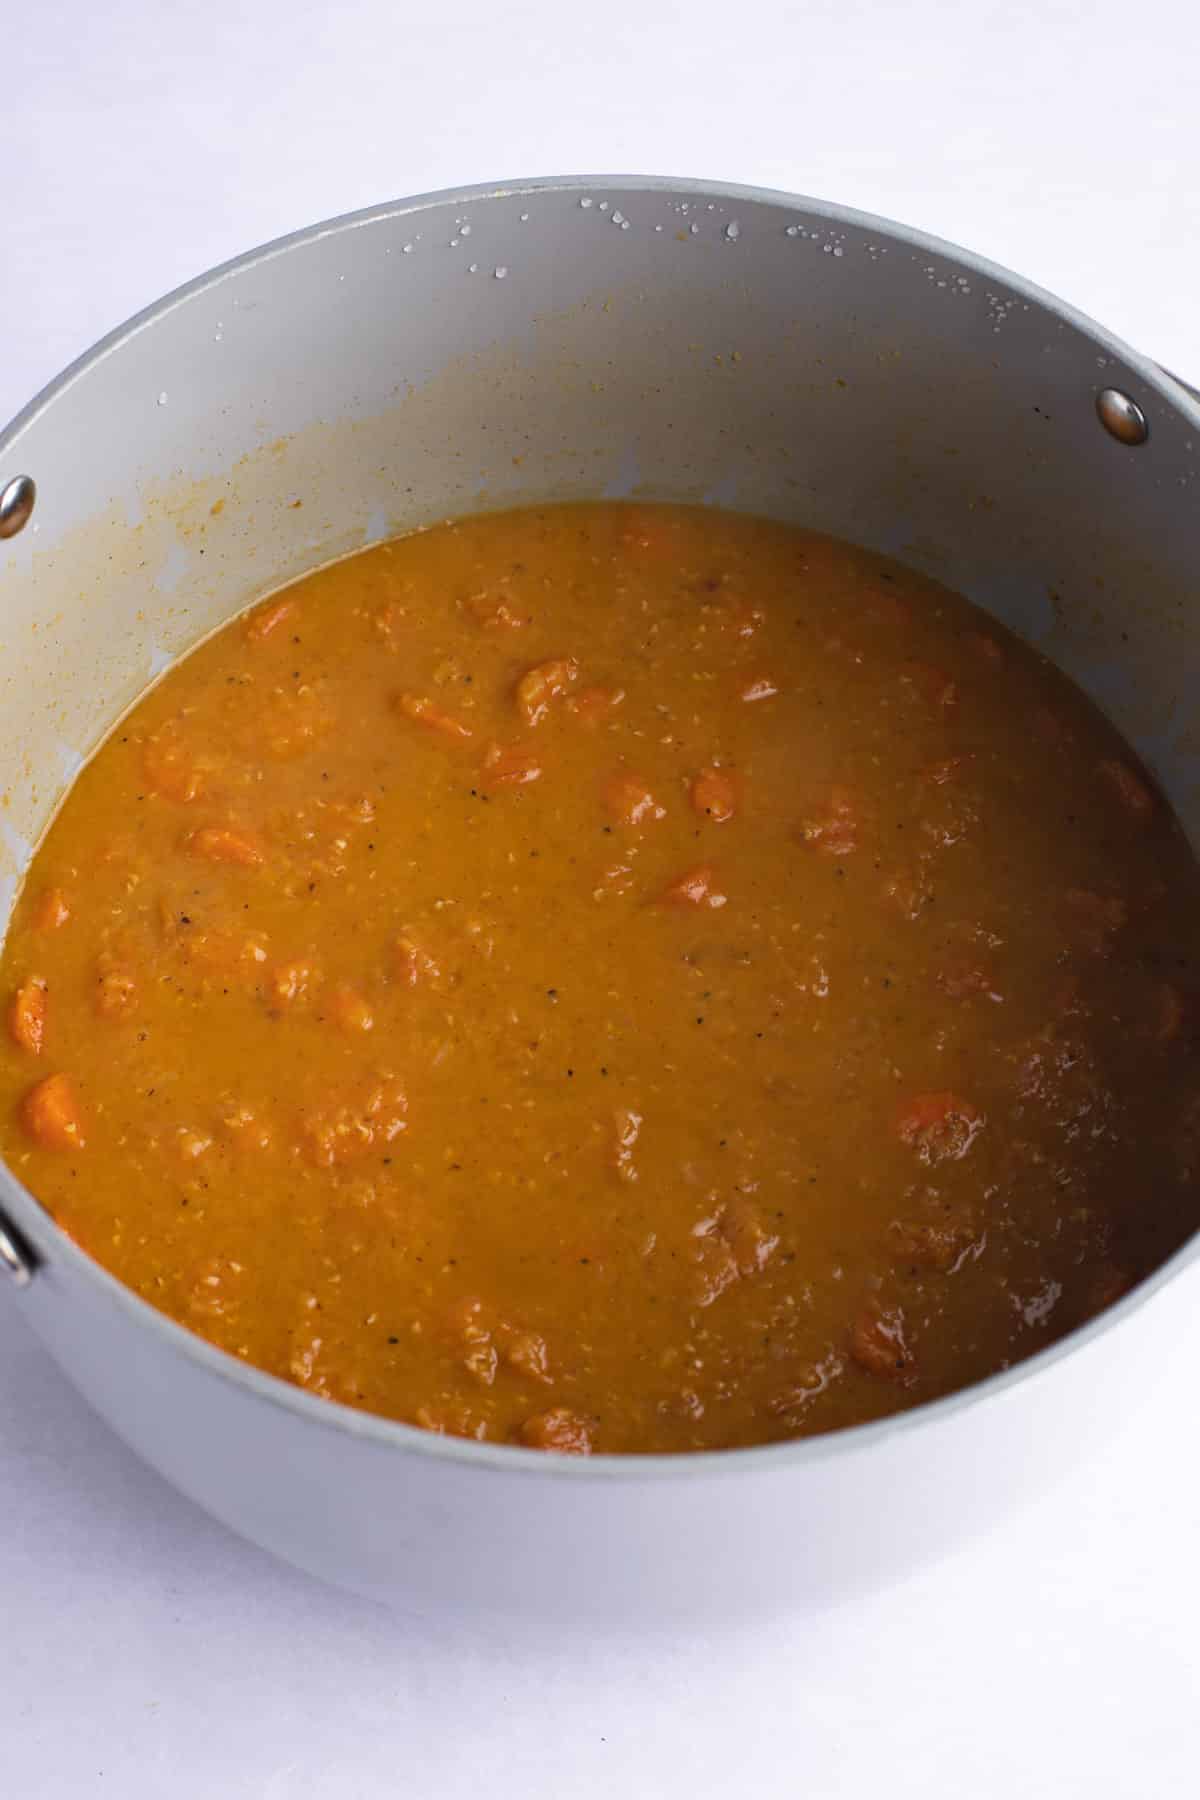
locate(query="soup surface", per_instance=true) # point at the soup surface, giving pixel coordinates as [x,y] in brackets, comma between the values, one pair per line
[614,978]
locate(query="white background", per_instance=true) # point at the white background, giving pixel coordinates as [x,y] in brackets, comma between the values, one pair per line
[143,1650]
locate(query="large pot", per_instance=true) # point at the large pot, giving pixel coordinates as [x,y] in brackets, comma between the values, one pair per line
[587,337]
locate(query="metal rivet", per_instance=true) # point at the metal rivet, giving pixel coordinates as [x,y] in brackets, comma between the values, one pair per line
[15,1259]
[16,505]
[1121,417]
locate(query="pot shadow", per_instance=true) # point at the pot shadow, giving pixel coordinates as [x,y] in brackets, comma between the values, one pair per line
[84,1515]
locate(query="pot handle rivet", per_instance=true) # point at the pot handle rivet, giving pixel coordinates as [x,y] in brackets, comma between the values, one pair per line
[16,1259]
[1121,417]
[16,505]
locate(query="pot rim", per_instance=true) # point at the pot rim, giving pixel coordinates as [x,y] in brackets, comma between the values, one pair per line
[512,1459]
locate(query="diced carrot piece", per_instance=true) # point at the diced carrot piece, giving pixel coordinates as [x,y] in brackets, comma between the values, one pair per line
[337,1134]
[877,1343]
[225,844]
[496,614]
[932,1243]
[760,687]
[1129,788]
[390,622]
[696,888]
[627,1126]
[629,800]
[559,1430]
[595,705]
[744,1228]
[349,1009]
[939,1127]
[510,765]
[453,1420]
[172,767]
[524,1351]
[422,711]
[191,1145]
[837,832]
[547,682]
[413,966]
[714,794]
[27,1016]
[52,911]
[52,1115]
[116,993]
[247,1129]
[286,724]
[264,621]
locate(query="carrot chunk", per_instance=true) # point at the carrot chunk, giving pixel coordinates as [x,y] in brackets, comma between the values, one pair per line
[496,614]
[629,800]
[539,686]
[559,1430]
[423,711]
[877,1343]
[116,992]
[349,1009]
[696,888]
[52,910]
[714,795]
[266,619]
[225,844]
[836,832]
[27,1016]
[52,1115]
[344,1133]
[939,1127]
[172,769]
[595,705]
[510,765]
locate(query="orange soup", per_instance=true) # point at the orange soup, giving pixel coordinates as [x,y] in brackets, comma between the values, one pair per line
[613,978]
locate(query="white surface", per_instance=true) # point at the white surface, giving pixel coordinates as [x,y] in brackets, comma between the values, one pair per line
[144,1651]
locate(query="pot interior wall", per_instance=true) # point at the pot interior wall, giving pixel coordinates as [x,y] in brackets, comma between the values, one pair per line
[594,340]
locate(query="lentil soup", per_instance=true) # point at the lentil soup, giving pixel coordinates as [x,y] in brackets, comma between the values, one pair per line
[613,978]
